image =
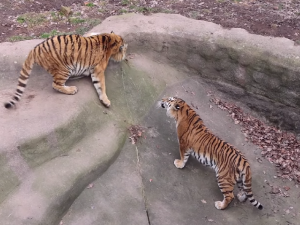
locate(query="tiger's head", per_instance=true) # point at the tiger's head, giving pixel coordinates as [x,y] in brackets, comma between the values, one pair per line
[173,105]
[118,47]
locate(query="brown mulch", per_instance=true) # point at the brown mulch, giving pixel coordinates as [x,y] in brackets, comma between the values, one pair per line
[266,17]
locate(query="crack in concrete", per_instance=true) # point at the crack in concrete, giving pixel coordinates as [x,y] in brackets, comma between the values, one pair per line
[130,113]
[142,184]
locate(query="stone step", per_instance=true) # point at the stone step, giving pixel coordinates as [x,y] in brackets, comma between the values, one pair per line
[50,188]
[117,197]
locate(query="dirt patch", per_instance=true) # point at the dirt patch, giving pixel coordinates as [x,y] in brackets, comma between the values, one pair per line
[28,19]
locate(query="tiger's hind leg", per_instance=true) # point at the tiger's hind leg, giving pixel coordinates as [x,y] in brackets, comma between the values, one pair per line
[228,197]
[59,80]
[242,196]
[248,190]
[226,188]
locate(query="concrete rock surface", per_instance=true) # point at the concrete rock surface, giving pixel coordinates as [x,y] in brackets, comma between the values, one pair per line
[68,160]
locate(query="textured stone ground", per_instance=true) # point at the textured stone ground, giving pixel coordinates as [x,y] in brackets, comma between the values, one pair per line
[68,160]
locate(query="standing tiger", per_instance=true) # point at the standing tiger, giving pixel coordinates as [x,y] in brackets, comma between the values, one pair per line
[195,139]
[73,56]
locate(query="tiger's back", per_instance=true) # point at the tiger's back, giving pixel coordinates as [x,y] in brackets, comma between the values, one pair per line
[71,56]
[195,139]
[72,53]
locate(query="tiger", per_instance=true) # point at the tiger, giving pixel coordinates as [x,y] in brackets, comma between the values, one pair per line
[73,56]
[195,139]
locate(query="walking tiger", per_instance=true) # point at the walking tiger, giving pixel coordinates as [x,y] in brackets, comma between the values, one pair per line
[73,56]
[195,139]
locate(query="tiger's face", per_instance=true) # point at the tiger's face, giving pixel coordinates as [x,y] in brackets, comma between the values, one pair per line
[119,47]
[172,105]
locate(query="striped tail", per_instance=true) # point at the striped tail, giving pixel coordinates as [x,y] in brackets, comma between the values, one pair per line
[24,75]
[254,202]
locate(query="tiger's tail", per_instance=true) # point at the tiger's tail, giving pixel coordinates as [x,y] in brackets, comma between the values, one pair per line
[247,177]
[24,76]
[254,202]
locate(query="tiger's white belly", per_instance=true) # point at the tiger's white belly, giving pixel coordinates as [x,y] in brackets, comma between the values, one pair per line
[78,71]
[204,160]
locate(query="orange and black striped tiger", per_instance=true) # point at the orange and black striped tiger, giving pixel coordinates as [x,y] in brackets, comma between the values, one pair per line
[73,56]
[195,139]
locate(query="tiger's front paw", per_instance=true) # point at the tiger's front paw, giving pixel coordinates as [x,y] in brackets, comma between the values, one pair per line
[73,90]
[105,102]
[178,163]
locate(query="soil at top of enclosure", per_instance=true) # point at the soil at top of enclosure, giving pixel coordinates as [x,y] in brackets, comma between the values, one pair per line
[28,19]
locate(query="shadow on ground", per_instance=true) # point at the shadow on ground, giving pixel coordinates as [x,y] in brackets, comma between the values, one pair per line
[68,160]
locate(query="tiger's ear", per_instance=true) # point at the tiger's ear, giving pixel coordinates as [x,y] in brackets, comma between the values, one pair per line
[177,107]
[112,32]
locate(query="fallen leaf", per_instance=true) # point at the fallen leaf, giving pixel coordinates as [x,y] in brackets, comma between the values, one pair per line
[275,190]
[286,188]
[91,185]
[139,133]
[203,201]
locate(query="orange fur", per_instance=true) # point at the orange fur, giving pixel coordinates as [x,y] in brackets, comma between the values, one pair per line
[195,139]
[73,56]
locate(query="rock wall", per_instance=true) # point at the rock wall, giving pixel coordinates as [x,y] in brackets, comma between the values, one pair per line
[262,72]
